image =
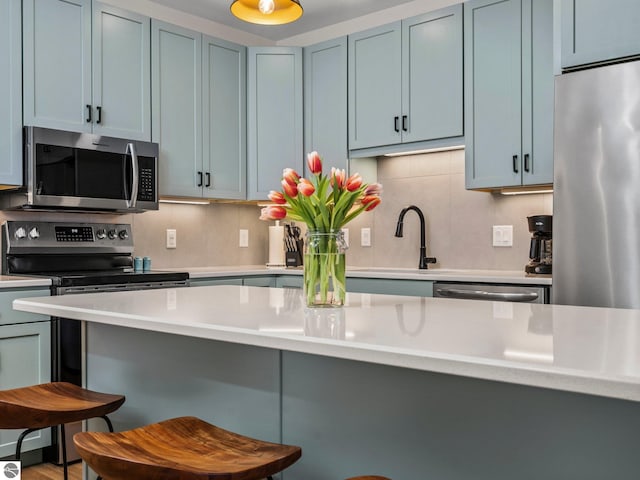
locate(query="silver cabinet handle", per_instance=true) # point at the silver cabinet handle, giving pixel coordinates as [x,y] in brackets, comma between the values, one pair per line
[482,295]
[131,203]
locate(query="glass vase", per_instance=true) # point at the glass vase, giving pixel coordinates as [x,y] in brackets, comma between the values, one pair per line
[324,268]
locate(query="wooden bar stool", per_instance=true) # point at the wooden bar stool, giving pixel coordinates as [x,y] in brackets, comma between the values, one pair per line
[184,448]
[53,404]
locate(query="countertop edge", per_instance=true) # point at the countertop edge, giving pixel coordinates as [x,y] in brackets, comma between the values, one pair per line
[509,372]
[9,281]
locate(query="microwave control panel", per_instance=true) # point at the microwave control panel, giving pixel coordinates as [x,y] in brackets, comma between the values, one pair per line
[146,185]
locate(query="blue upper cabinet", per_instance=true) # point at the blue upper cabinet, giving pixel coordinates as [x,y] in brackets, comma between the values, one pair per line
[274,131]
[57,64]
[10,93]
[121,73]
[508,93]
[224,119]
[596,31]
[406,81]
[432,75]
[374,87]
[325,101]
[60,89]
[177,108]
[198,85]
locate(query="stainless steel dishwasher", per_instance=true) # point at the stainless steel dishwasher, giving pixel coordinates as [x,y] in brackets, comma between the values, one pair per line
[494,292]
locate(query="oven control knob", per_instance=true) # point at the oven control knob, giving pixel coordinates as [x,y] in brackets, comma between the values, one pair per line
[123,234]
[21,233]
[112,234]
[101,234]
[34,233]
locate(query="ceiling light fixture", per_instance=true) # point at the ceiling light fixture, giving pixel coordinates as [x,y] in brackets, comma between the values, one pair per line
[267,12]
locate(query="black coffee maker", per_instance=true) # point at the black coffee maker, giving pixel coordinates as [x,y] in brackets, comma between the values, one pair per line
[541,244]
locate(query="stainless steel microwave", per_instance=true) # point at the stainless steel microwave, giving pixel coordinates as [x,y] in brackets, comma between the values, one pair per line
[82,171]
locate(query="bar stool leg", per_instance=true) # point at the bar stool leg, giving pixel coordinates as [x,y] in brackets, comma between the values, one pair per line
[20,440]
[64,451]
[108,422]
[110,427]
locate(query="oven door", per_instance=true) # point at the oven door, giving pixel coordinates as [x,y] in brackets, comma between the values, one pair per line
[85,171]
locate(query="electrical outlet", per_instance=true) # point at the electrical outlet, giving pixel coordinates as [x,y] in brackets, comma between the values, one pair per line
[244,238]
[172,238]
[345,234]
[503,235]
[365,237]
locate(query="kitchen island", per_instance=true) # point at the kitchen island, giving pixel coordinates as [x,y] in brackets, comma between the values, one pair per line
[406,387]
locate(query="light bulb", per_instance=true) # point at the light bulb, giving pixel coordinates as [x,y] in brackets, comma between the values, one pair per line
[266,7]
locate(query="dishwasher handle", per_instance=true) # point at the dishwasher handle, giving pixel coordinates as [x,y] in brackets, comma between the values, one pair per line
[484,295]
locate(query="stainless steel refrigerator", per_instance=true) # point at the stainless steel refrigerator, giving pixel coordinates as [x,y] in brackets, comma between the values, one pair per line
[596,221]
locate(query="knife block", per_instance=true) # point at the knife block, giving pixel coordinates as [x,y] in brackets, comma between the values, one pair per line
[294,259]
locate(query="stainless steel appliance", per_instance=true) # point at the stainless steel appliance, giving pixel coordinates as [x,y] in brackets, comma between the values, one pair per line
[82,171]
[596,244]
[79,258]
[494,292]
[541,248]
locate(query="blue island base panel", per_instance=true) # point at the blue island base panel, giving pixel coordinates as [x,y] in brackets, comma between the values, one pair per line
[354,418]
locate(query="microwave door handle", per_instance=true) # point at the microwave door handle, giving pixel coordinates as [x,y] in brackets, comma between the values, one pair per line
[134,165]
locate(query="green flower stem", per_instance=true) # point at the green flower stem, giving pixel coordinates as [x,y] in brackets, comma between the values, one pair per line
[324,270]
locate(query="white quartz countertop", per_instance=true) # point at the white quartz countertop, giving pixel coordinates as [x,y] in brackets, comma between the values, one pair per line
[12,281]
[432,274]
[578,349]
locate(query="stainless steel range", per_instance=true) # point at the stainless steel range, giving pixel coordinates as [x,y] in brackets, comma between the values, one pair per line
[78,258]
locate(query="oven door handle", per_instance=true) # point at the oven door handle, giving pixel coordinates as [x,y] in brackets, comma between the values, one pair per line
[484,295]
[131,203]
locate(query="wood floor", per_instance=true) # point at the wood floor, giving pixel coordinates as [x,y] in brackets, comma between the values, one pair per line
[49,471]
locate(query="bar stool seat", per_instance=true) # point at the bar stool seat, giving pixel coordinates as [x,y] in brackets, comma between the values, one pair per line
[184,448]
[369,477]
[53,404]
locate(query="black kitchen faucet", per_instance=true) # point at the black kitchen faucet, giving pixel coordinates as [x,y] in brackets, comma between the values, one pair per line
[424,260]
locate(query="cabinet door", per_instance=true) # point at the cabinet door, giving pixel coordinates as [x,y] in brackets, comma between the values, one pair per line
[121,73]
[10,92]
[205,282]
[289,281]
[57,63]
[492,39]
[260,281]
[414,288]
[597,31]
[375,96]
[10,316]
[177,108]
[325,102]
[537,92]
[432,75]
[224,119]
[25,359]
[275,117]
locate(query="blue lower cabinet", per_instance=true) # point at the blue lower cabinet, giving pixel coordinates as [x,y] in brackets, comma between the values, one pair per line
[25,359]
[417,288]
[260,281]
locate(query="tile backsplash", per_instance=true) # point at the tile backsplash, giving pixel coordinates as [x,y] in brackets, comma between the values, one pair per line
[459,223]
